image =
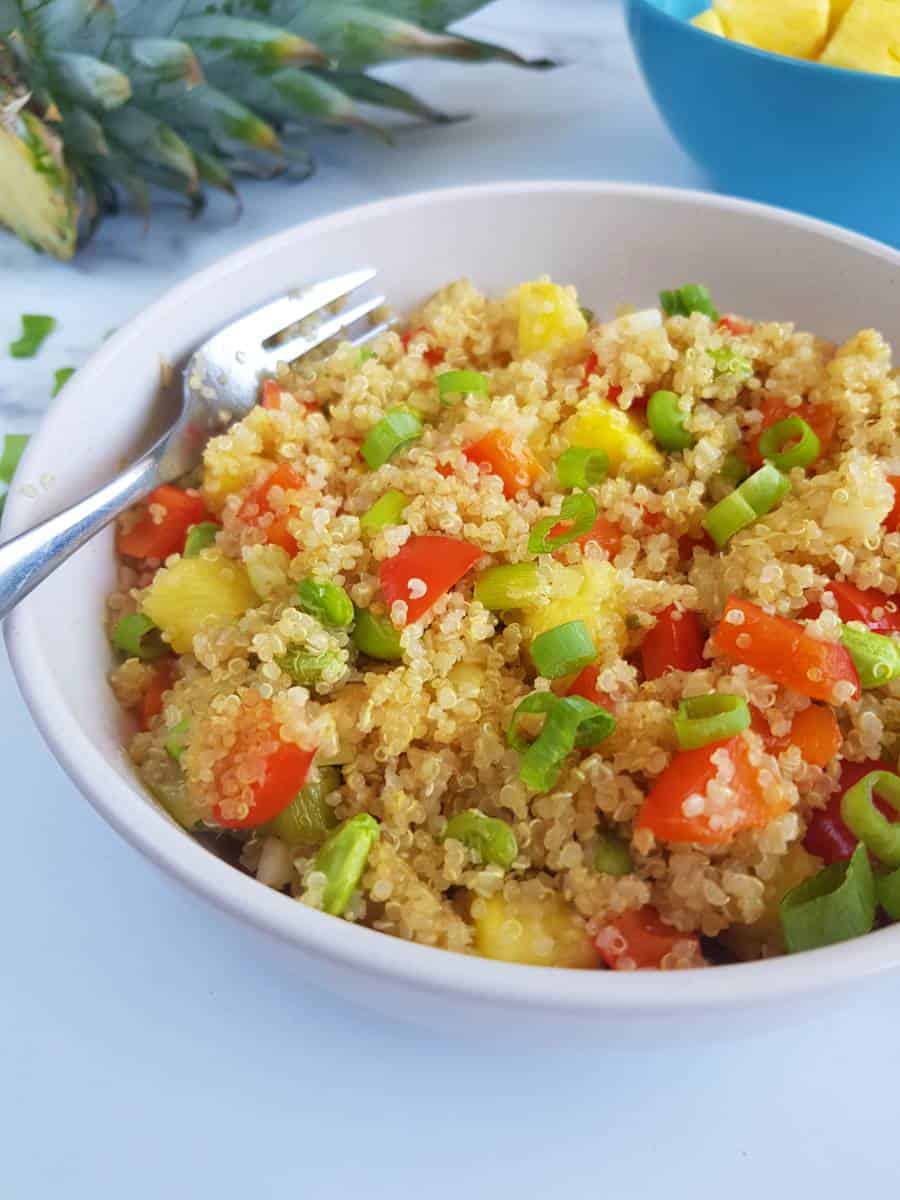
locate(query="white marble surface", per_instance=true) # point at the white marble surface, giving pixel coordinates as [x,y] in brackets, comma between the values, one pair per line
[147,1050]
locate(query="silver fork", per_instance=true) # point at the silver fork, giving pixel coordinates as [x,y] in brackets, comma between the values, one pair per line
[220,385]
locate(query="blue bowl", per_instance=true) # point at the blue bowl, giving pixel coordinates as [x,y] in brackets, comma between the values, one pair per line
[817,139]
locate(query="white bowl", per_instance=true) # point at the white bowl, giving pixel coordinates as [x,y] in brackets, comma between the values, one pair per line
[617,243]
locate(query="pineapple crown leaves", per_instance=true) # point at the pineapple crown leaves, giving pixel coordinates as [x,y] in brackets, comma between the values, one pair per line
[186,94]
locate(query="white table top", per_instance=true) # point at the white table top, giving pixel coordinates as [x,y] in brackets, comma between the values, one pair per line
[147,1048]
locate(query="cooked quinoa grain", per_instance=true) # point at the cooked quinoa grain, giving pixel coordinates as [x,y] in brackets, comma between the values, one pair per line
[335,754]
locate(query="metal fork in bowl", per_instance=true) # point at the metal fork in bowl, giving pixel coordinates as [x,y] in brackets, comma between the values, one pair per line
[220,385]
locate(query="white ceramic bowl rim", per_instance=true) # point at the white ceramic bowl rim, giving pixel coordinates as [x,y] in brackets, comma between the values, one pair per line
[424,968]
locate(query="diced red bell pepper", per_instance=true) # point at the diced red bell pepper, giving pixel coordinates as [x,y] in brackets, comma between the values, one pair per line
[784,651]
[640,940]
[826,834]
[591,367]
[689,542]
[708,821]
[603,533]
[878,612]
[816,734]
[284,768]
[506,456]
[733,325]
[892,520]
[257,508]
[152,700]
[152,538]
[585,684]
[675,643]
[424,569]
[819,417]
[271,394]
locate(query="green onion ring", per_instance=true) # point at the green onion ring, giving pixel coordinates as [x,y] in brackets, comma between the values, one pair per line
[387,510]
[775,444]
[876,657]
[137,637]
[469,383]
[581,467]
[396,430]
[571,721]
[563,650]
[701,720]
[580,509]
[199,537]
[888,887]
[870,825]
[837,904]
[754,498]
[666,420]
[511,585]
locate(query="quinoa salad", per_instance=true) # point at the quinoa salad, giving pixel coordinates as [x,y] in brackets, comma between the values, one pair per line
[555,637]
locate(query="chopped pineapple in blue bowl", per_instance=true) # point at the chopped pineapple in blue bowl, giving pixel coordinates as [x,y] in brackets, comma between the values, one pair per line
[794,102]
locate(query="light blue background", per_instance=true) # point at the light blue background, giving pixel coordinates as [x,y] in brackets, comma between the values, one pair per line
[147,1050]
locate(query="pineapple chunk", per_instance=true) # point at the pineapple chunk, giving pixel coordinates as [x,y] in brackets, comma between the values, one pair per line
[604,426]
[549,318]
[197,592]
[710,21]
[838,8]
[797,28]
[868,38]
[541,931]
[589,592]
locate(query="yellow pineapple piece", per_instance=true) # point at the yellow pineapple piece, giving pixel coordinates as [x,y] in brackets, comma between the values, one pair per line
[604,426]
[542,931]
[868,38]
[549,318]
[709,21]
[838,8]
[589,592]
[197,593]
[797,28]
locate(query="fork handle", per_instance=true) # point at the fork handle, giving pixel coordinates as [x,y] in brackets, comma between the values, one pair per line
[27,559]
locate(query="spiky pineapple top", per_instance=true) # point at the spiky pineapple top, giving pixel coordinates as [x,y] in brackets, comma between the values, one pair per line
[100,98]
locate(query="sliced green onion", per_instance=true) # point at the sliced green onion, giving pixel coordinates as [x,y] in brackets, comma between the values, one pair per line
[612,856]
[61,378]
[837,904]
[683,301]
[701,720]
[490,838]
[580,467]
[396,430]
[735,468]
[666,419]
[342,861]
[876,657]
[729,363]
[13,447]
[571,721]
[578,512]
[764,489]
[888,887]
[35,330]
[376,636]
[862,817]
[307,666]
[137,637]
[200,537]
[754,498]
[469,383]
[309,818]
[513,585]
[775,444]
[365,353]
[325,601]
[386,510]
[563,650]
[175,741]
